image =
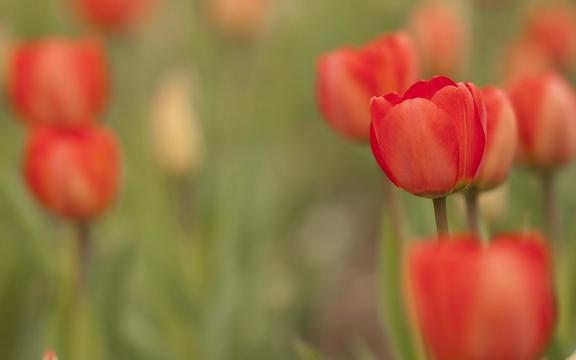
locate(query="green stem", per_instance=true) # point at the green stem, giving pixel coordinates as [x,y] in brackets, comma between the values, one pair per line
[472,210]
[83,257]
[441,215]
[549,206]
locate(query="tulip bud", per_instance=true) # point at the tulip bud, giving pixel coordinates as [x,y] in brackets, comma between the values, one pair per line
[239,18]
[348,78]
[430,141]
[441,36]
[175,129]
[472,301]
[50,355]
[494,203]
[58,82]
[525,58]
[501,139]
[113,15]
[545,106]
[73,172]
[553,28]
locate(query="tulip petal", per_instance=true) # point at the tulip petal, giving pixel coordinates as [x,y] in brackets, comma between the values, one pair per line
[428,88]
[417,143]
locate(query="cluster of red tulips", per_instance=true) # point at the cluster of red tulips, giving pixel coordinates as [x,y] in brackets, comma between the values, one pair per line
[470,298]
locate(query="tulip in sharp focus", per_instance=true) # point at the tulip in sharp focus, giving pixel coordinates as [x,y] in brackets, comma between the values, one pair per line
[441,35]
[477,302]
[175,129]
[502,138]
[553,28]
[113,15]
[73,172]
[58,82]
[545,106]
[239,18]
[348,78]
[431,140]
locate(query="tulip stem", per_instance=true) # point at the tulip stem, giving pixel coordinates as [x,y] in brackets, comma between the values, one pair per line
[441,215]
[550,207]
[472,210]
[394,207]
[83,257]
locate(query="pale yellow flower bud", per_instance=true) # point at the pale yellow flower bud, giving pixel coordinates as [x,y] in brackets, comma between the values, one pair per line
[494,203]
[175,129]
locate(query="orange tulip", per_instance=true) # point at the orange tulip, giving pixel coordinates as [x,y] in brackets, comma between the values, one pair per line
[430,141]
[475,302]
[239,18]
[553,28]
[58,82]
[113,15]
[348,78]
[441,36]
[50,355]
[502,138]
[545,106]
[73,172]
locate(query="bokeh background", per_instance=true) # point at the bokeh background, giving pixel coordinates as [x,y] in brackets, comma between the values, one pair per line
[271,247]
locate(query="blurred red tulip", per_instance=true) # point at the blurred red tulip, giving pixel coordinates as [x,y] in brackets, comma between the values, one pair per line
[113,15]
[545,106]
[50,355]
[502,138]
[476,302]
[73,172]
[553,28]
[58,82]
[239,18]
[348,78]
[441,35]
[525,57]
[430,141]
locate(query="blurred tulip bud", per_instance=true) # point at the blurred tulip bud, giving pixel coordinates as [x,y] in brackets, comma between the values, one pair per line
[572,357]
[494,203]
[525,58]
[175,129]
[442,37]
[553,28]
[348,78]
[239,18]
[58,82]
[50,355]
[113,15]
[430,141]
[502,139]
[472,301]
[73,172]
[545,106]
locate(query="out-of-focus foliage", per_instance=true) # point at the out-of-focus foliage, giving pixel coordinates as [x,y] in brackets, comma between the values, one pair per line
[284,212]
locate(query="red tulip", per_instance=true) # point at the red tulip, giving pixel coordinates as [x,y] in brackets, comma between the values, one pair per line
[525,57]
[113,15]
[348,78]
[58,82]
[73,172]
[476,302]
[431,140]
[502,138]
[553,28]
[545,106]
[441,35]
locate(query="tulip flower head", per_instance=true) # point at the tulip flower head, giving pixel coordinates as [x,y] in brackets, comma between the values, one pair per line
[58,82]
[441,36]
[113,15]
[50,355]
[545,106]
[239,18]
[471,301]
[553,28]
[524,57]
[348,78]
[430,141]
[175,129]
[502,139]
[73,172]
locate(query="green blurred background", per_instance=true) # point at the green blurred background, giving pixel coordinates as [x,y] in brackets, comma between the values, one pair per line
[280,247]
